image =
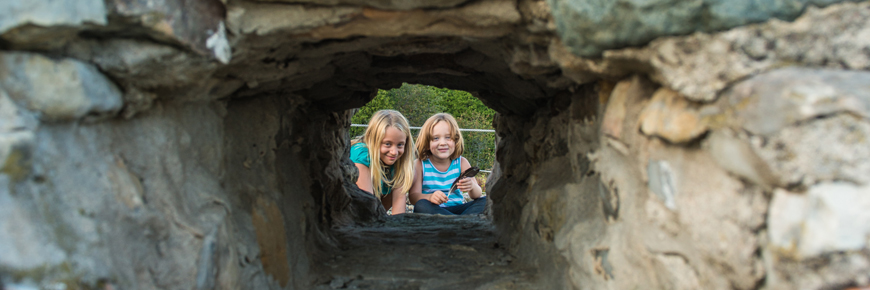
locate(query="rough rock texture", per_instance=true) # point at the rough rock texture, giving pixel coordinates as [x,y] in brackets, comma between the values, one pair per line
[77,89]
[591,27]
[701,65]
[442,253]
[69,12]
[181,144]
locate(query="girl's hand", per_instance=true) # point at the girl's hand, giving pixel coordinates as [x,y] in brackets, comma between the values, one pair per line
[437,197]
[465,184]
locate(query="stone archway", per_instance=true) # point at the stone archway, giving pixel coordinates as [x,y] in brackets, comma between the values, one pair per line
[202,144]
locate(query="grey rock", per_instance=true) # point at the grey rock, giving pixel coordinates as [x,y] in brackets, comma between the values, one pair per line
[803,126]
[829,217]
[590,27]
[702,65]
[835,148]
[769,102]
[144,68]
[661,182]
[682,275]
[26,245]
[197,25]
[734,153]
[206,268]
[58,90]
[382,4]
[16,153]
[14,117]
[669,116]
[263,19]
[16,13]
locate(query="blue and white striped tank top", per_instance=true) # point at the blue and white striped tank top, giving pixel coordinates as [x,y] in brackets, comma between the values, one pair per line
[433,180]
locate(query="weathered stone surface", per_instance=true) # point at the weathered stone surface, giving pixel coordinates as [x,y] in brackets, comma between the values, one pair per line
[139,204]
[806,125]
[713,213]
[668,115]
[592,27]
[14,117]
[622,95]
[145,68]
[263,19]
[16,153]
[661,182]
[477,264]
[829,217]
[271,237]
[195,24]
[58,90]
[381,4]
[477,19]
[682,275]
[770,102]
[699,66]
[830,149]
[48,26]
[585,70]
[26,245]
[614,114]
[733,152]
[849,268]
[16,13]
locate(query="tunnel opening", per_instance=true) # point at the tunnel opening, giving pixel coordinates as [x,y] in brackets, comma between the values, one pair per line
[285,81]
[419,102]
[359,237]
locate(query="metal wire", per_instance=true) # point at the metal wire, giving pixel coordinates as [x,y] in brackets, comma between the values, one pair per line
[460,129]
[418,128]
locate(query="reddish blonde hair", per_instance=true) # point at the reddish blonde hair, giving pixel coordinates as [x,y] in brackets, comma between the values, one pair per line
[425,136]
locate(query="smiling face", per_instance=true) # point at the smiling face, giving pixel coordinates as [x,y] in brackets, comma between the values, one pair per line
[393,146]
[442,143]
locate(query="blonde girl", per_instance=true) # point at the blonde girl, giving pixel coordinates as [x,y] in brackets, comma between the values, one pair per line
[439,163]
[388,142]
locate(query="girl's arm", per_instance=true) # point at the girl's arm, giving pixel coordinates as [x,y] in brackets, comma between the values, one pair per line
[416,192]
[399,200]
[364,180]
[469,184]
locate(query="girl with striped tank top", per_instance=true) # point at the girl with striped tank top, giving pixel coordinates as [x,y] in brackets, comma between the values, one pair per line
[439,162]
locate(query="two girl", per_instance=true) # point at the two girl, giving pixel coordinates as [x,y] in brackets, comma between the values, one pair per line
[429,178]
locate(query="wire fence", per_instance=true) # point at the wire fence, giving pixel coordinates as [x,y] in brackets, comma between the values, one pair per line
[460,129]
[418,128]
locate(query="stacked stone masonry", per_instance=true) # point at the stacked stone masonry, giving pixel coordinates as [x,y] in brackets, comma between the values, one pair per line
[188,144]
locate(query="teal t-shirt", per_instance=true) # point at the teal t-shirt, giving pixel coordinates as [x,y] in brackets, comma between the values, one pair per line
[359,153]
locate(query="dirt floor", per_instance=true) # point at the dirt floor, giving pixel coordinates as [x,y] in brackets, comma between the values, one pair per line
[420,251]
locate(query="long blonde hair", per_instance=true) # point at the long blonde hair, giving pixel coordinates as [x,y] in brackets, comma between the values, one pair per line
[374,135]
[425,136]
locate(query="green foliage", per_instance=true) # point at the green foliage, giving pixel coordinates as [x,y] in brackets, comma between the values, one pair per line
[419,102]
[380,102]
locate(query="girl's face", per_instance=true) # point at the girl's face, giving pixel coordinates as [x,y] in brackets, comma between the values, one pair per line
[442,143]
[393,146]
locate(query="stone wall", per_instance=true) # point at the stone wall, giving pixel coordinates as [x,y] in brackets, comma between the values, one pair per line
[183,144]
[732,160]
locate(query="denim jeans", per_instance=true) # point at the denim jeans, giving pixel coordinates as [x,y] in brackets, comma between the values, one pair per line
[474,207]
